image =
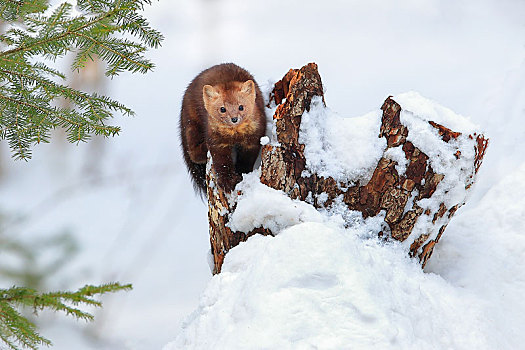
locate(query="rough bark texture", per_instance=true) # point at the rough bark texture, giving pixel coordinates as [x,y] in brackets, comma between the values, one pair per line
[388,191]
[222,238]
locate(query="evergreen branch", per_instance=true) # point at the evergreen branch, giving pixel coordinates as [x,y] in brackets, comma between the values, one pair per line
[152,37]
[42,68]
[78,97]
[18,133]
[143,67]
[15,329]
[39,108]
[68,32]
[14,2]
[28,88]
[13,10]
[137,25]
[79,126]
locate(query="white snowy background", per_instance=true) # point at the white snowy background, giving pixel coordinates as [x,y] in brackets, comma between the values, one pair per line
[129,203]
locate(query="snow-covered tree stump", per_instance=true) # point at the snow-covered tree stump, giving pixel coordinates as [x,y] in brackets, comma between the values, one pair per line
[417,185]
[222,238]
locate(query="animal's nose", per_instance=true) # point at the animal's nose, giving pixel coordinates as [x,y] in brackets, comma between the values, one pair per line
[235,119]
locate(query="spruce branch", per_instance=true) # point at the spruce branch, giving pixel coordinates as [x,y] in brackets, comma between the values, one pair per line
[12,10]
[112,30]
[16,330]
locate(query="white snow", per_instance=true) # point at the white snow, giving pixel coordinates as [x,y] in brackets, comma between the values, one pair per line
[262,206]
[316,286]
[343,148]
[397,155]
[483,251]
[417,105]
[265,140]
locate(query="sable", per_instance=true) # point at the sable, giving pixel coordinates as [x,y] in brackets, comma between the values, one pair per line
[222,112]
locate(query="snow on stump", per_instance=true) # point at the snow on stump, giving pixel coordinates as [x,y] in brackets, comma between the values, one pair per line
[409,164]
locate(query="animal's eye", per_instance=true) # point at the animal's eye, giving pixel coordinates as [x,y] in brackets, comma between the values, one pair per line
[241,108]
[223,110]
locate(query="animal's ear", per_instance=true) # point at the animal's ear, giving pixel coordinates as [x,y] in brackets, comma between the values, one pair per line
[248,87]
[209,93]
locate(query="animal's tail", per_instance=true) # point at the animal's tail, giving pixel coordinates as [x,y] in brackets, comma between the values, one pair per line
[198,176]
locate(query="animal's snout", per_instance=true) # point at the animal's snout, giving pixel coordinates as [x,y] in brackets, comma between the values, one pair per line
[235,119]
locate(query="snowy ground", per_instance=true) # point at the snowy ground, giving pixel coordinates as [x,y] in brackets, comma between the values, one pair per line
[129,203]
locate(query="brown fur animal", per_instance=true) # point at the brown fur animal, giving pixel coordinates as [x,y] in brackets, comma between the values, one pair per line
[222,112]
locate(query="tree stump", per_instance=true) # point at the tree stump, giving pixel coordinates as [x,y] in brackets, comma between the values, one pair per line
[393,195]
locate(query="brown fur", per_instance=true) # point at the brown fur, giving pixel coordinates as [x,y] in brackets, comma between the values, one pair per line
[233,136]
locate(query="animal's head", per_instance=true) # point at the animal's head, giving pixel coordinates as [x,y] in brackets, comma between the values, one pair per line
[230,104]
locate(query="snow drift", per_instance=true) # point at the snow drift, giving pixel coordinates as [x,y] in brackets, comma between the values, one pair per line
[318,286]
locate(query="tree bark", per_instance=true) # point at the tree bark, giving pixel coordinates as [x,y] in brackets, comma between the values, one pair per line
[222,238]
[282,169]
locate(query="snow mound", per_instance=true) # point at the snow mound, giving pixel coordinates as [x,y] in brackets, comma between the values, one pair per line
[319,286]
[483,252]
